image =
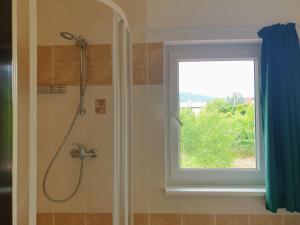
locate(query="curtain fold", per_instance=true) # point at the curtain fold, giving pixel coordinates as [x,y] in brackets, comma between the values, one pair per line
[280,108]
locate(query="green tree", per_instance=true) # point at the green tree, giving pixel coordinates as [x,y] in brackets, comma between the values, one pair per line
[219,134]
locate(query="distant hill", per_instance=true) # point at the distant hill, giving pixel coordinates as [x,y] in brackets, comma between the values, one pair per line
[186,96]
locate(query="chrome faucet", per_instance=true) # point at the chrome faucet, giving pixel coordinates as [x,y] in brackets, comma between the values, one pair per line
[81,152]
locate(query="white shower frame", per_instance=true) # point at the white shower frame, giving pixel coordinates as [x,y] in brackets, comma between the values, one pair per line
[122,116]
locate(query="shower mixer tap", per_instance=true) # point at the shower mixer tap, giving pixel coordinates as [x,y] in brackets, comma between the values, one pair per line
[81,152]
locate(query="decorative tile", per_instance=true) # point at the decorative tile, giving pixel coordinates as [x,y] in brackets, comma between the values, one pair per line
[198,219]
[231,219]
[141,219]
[100,106]
[165,219]
[98,219]
[155,63]
[69,219]
[61,64]
[44,219]
[66,61]
[100,65]
[266,220]
[44,65]
[139,55]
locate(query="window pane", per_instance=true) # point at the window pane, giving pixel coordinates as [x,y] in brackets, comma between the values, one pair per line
[218,115]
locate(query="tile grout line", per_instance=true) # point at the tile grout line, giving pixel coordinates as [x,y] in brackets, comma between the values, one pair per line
[248,219]
[215,219]
[149,214]
[181,219]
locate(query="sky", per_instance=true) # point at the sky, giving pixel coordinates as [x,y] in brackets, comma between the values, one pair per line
[218,79]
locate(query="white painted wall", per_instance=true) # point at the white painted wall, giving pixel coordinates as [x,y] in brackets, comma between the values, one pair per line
[217,15]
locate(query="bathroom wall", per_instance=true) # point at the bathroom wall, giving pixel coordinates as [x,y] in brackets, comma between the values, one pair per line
[214,14]
[58,63]
[175,20]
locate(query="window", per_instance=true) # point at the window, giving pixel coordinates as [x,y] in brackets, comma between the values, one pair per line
[213,125]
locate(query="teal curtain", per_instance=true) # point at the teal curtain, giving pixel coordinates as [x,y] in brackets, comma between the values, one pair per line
[280,107]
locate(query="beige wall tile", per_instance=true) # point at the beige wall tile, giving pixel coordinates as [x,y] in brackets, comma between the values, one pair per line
[155,109]
[100,65]
[141,199]
[155,63]
[139,52]
[69,219]
[66,17]
[141,219]
[266,220]
[165,219]
[44,65]
[159,201]
[66,61]
[140,128]
[222,204]
[231,219]
[97,22]
[137,17]
[45,11]
[44,219]
[93,20]
[96,131]
[98,219]
[198,219]
[291,219]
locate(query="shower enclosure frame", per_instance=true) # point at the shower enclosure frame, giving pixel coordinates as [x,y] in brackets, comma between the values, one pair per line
[122,80]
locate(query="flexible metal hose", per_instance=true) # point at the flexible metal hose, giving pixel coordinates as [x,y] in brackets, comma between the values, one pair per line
[78,111]
[53,160]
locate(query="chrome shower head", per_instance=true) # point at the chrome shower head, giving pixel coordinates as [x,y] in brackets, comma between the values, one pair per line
[79,40]
[67,35]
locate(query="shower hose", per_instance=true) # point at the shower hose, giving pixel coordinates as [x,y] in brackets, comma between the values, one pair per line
[55,157]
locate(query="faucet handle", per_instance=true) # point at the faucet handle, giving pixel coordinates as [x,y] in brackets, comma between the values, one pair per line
[80,146]
[81,152]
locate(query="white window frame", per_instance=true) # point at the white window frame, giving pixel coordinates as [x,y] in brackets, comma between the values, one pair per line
[208,178]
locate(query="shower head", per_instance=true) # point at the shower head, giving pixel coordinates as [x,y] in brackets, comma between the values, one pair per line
[67,35]
[79,40]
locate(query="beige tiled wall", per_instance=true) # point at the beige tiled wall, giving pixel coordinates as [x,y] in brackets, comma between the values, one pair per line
[149,151]
[151,205]
[148,64]
[55,113]
[89,18]
[58,63]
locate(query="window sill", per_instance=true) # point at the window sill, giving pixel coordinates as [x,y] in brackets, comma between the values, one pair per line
[216,191]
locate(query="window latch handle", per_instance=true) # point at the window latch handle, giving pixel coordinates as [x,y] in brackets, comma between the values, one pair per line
[177,119]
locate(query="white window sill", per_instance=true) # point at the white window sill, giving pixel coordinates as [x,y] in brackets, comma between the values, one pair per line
[216,191]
